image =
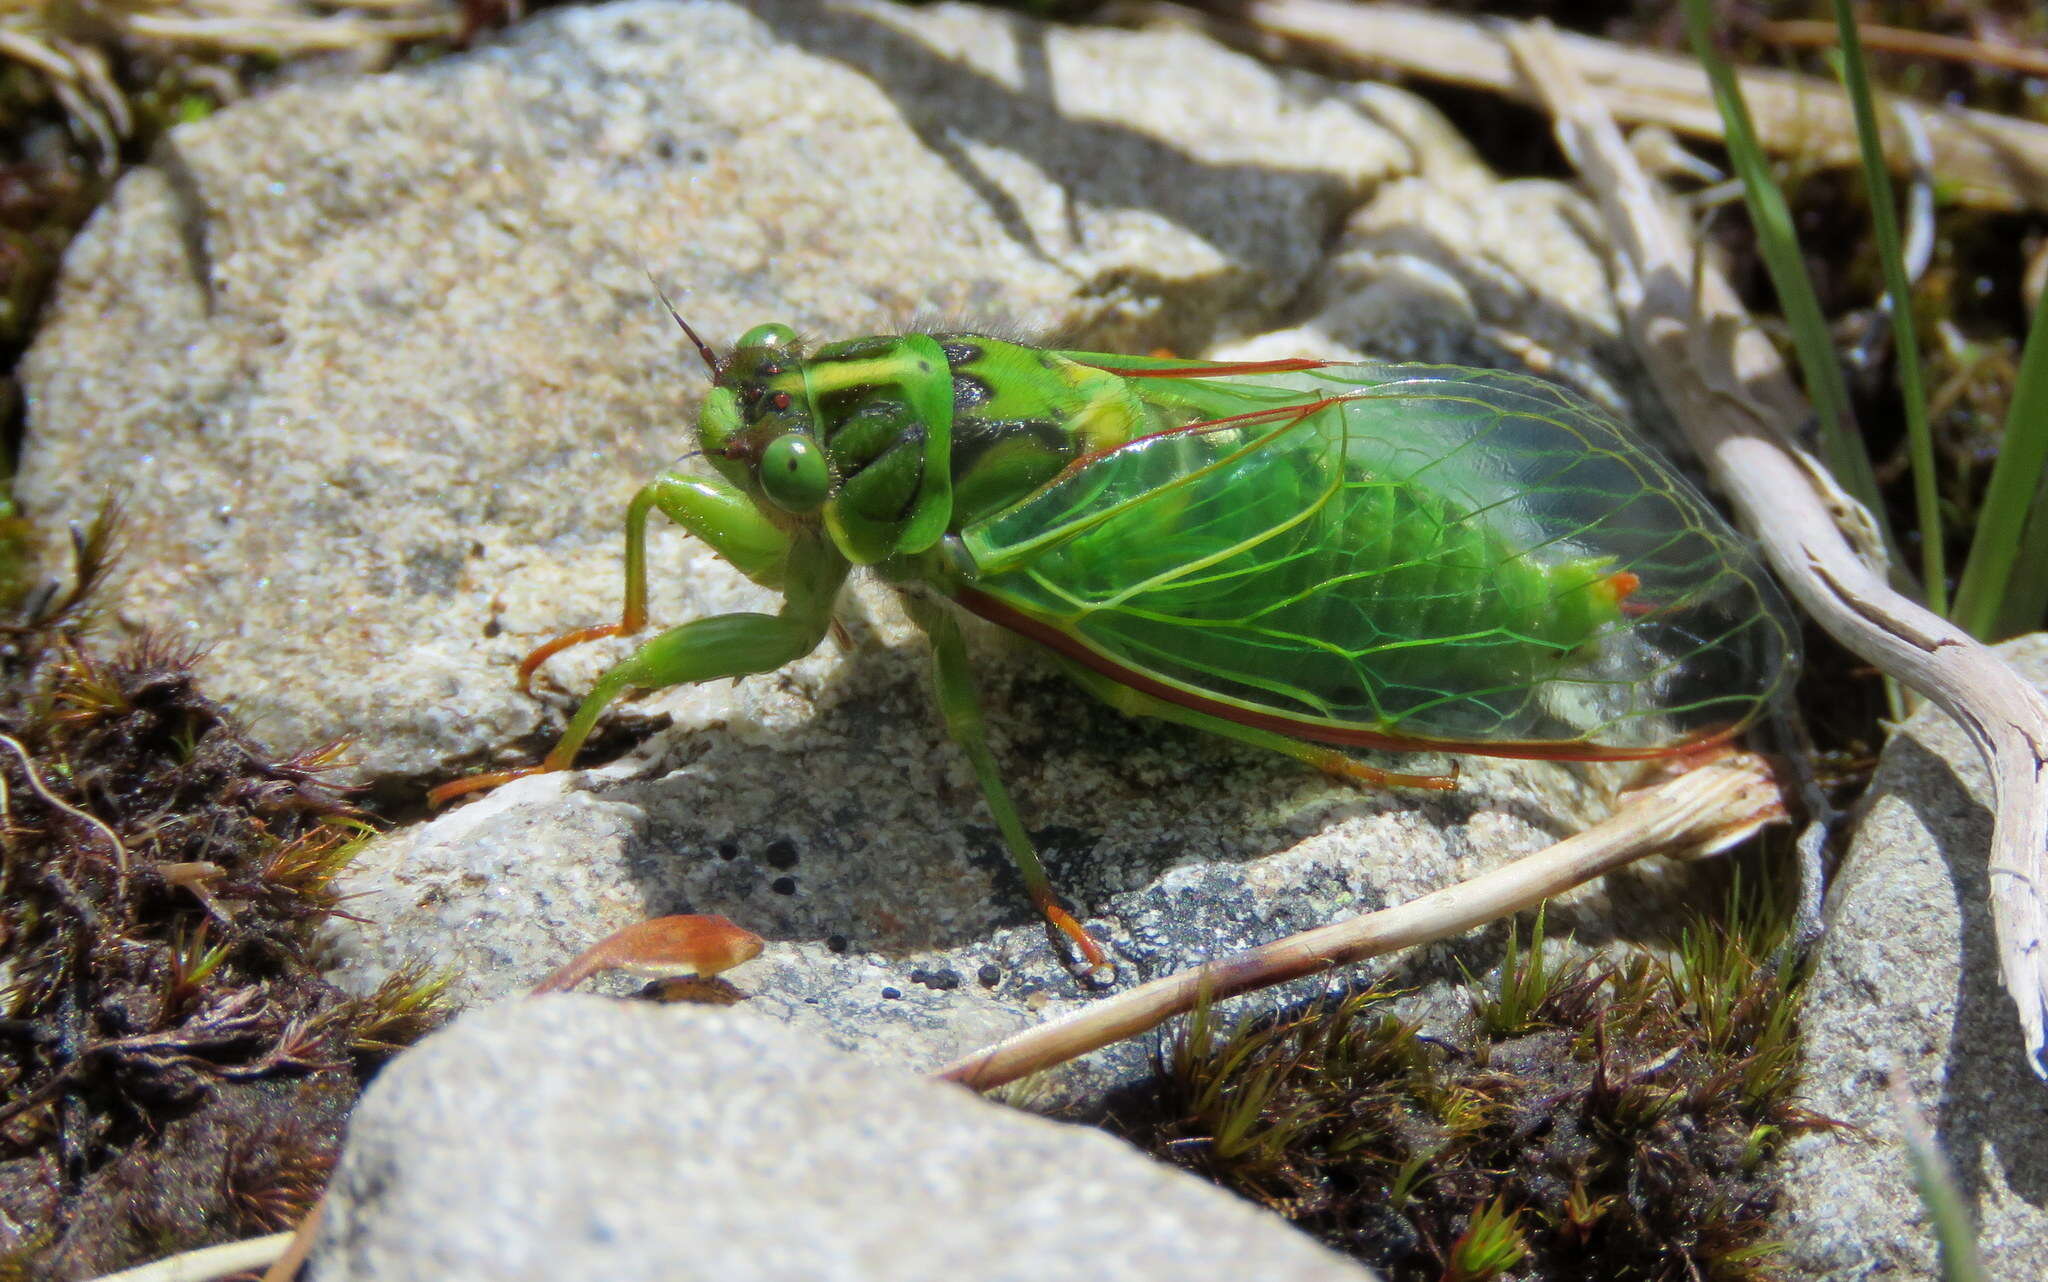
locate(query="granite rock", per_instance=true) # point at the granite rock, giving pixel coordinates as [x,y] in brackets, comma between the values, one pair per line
[1907,982]
[571,1138]
[378,366]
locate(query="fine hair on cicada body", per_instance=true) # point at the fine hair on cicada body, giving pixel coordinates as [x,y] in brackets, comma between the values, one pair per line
[1302,555]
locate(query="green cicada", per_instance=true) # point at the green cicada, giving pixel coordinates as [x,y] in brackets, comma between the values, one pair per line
[1297,554]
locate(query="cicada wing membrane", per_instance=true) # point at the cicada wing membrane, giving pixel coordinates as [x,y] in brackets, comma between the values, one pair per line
[1440,556]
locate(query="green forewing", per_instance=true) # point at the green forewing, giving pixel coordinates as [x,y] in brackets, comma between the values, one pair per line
[1428,553]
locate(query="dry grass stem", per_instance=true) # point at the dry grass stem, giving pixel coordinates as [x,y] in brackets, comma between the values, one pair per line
[68,44]
[35,782]
[1703,810]
[282,36]
[1918,44]
[208,1264]
[1724,381]
[1983,159]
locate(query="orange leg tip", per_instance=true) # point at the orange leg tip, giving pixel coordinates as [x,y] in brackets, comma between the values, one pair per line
[549,649]
[542,653]
[447,792]
[1345,766]
[1064,922]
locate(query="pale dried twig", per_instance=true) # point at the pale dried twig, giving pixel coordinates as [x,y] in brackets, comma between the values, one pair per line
[208,1263]
[1724,381]
[283,36]
[1704,810]
[35,782]
[1918,44]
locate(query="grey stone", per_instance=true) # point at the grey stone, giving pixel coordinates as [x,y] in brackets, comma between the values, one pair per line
[381,367]
[1907,981]
[378,367]
[1174,850]
[571,1138]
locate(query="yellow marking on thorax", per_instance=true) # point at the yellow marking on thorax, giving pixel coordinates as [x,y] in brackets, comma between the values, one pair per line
[1108,412]
[827,376]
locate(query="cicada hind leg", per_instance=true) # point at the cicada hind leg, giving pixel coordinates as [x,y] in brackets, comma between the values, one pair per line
[1331,761]
[955,689]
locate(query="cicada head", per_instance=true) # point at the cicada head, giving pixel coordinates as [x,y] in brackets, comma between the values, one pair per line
[856,435]
[756,424]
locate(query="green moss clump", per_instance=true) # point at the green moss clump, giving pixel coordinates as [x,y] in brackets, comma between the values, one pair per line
[1605,1121]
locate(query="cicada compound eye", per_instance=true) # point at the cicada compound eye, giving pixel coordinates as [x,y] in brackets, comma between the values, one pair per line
[794,474]
[772,334]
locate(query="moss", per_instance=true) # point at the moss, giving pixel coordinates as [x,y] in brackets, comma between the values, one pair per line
[173,1069]
[1603,1121]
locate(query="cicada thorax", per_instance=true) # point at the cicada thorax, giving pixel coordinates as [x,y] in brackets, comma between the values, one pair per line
[917,433]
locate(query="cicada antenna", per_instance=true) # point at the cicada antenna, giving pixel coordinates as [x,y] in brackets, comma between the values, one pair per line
[703,348]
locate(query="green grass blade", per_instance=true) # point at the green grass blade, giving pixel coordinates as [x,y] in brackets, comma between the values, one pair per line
[1990,580]
[2025,606]
[1954,1234]
[1778,244]
[1884,225]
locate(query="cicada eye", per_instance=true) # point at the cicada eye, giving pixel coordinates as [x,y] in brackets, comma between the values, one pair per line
[793,473]
[773,334]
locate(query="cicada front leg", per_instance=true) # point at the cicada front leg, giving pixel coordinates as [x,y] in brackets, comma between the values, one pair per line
[711,509]
[954,685]
[807,568]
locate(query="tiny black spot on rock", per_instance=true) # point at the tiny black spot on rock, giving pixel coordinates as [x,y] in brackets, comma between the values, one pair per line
[835,943]
[492,627]
[728,850]
[892,993]
[943,980]
[783,885]
[781,853]
[990,974]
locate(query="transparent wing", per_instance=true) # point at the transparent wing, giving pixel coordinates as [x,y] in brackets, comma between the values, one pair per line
[1417,553]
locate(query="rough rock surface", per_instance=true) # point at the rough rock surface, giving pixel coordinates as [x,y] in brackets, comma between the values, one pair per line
[576,1138]
[1908,979]
[379,367]
[378,364]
